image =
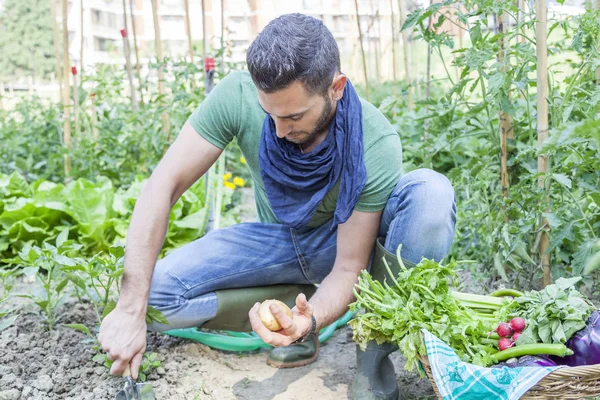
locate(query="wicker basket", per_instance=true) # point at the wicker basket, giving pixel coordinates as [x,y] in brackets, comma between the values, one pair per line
[564,383]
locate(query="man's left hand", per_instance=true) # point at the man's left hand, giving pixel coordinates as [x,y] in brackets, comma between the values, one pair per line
[291,330]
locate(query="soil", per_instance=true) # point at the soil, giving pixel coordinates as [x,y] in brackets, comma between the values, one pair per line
[38,364]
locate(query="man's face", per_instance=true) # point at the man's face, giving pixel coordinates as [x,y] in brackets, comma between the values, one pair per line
[300,117]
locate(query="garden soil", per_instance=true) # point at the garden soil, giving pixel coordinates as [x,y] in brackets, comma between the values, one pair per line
[37,364]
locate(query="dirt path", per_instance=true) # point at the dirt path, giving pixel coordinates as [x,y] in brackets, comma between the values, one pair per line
[37,365]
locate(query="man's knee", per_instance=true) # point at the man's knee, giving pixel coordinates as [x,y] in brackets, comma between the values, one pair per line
[165,289]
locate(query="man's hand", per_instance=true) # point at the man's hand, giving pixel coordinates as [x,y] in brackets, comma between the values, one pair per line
[123,338]
[291,330]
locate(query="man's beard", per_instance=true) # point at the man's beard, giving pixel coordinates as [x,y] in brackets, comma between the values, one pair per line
[320,126]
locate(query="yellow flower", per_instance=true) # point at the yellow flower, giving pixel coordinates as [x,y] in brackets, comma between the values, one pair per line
[242,160]
[229,185]
[237,181]
[227,176]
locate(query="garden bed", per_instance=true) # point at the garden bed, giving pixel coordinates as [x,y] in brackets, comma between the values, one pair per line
[37,364]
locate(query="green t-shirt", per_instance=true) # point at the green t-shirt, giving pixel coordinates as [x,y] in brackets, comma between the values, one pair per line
[232,111]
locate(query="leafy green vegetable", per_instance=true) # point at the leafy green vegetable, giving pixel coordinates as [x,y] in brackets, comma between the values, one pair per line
[553,314]
[420,298]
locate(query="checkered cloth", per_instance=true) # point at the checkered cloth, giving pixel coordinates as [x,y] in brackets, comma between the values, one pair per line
[459,380]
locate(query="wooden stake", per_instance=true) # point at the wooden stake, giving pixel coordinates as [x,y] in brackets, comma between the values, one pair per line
[188,28]
[598,69]
[222,68]
[204,50]
[362,49]
[428,77]
[542,125]
[56,49]
[81,37]
[405,52]
[76,102]
[394,77]
[161,71]
[135,46]
[94,119]
[67,89]
[126,51]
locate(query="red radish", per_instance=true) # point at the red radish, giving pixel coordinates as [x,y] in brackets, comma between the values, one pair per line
[517,323]
[505,343]
[516,336]
[504,330]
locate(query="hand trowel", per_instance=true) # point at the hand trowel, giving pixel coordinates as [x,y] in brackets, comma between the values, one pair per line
[134,390]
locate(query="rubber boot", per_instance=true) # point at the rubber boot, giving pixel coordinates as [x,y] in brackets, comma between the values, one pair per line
[295,355]
[233,304]
[375,377]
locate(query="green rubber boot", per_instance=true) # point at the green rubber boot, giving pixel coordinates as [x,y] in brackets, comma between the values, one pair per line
[295,355]
[233,304]
[375,377]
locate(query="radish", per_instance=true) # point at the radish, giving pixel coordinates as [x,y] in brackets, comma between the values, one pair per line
[516,336]
[504,330]
[505,343]
[517,323]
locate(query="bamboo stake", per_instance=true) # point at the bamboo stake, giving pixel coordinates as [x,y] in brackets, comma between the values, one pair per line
[76,102]
[542,125]
[505,120]
[203,31]
[428,77]
[161,71]
[56,49]
[222,68]
[126,51]
[135,46]
[94,118]
[81,37]
[394,77]
[188,28]
[67,91]
[362,49]
[405,52]
[598,69]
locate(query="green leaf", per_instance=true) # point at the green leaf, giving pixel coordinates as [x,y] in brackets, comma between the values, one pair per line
[78,281]
[7,322]
[500,267]
[61,286]
[108,308]
[99,358]
[80,328]
[63,260]
[117,250]
[562,179]
[62,237]
[564,284]
[153,315]
[592,264]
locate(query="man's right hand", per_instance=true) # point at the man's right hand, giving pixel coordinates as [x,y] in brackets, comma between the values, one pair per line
[123,338]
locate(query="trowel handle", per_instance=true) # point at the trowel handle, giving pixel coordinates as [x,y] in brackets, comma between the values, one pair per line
[127,371]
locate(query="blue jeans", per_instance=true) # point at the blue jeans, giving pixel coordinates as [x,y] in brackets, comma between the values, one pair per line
[420,214]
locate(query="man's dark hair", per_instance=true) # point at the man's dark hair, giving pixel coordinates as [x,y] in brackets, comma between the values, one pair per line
[293,47]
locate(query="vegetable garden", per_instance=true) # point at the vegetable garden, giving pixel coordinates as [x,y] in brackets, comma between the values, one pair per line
[510,114]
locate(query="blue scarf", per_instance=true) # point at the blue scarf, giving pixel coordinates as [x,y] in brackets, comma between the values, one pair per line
[296,183]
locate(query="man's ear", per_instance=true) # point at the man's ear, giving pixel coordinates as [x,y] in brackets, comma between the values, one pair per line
[337,86]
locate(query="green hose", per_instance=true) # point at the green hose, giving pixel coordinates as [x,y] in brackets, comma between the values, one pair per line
[243,341]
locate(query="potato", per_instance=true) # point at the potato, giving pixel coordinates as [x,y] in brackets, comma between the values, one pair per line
[267,318]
